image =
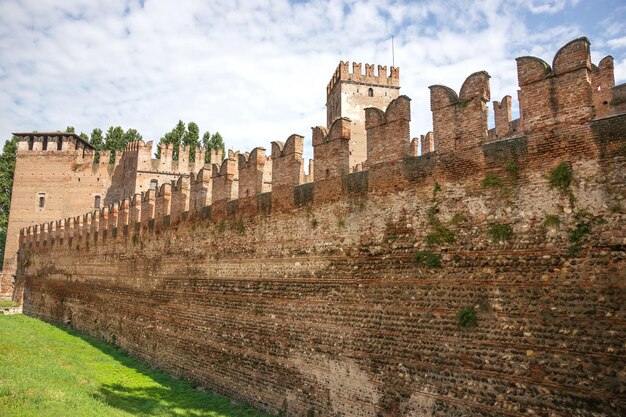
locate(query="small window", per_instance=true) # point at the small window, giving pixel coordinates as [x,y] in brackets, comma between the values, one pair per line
[42,200]
[97,202]
[370,92]
[154,184]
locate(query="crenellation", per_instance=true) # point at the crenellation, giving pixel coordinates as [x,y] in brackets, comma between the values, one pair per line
[287,170]
[331,149]
[180,199]
[225,181]
[388,134]
[427,142]
[253,173]
[503,116]
[147,208]
[135,209]
[162,205]
[414,147]
[201,191]
[319,288]
[460,121]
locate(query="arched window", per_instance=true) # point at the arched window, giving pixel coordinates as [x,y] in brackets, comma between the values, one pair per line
[97,202]
[42,200]
[154,184]
[370,92]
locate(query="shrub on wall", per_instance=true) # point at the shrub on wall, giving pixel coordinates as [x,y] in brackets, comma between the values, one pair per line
[428,259]
[500,232]
[552,221]
[492,180]
[561,177]
[467,317]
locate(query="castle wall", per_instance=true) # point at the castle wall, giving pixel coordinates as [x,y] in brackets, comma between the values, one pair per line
[340,319]
[342,296]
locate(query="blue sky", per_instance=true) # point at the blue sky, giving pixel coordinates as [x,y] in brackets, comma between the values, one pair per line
[257,70]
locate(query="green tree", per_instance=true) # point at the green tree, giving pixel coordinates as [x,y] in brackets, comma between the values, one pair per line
[96,140]
[69,129]
[191,139]
[114,141]
[131,135]
[176,137]
[7,170]
[210,142]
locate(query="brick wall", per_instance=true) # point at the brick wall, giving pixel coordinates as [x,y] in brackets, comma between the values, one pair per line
[316,297]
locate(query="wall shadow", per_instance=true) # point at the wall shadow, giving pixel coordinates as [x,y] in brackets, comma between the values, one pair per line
[172,397]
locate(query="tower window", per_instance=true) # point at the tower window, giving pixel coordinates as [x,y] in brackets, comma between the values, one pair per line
[153,184]
[42,200]
[370,92]
[97,202]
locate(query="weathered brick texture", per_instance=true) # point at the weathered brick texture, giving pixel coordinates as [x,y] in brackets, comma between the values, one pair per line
[310,297]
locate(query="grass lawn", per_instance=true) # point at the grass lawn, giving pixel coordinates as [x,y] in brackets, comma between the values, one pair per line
[49,371]
[8,304]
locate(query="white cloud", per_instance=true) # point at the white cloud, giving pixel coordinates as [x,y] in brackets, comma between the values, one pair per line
[617,42]
[546,6]
[254,70]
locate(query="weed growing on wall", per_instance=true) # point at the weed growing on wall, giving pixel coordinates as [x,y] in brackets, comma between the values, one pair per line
[238,226]
[492,181]
[576,235]
[458,218]
[499,232]
[512,169]
[439,234]
[552,221]
[561,177]
[428,259]
[467,317]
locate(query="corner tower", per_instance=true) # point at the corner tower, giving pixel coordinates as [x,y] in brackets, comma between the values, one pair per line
[349,93]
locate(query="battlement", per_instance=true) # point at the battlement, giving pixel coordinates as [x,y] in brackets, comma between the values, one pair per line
[53,142]
[562,109]
[381,77]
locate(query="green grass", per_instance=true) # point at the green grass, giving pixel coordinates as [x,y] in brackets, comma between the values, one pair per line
[49,371]
[8,304]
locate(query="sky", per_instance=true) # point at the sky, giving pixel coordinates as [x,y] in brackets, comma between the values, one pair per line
[256,71]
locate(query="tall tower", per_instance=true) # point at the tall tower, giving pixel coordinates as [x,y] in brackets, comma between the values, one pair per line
[349,93]
[54,178]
